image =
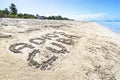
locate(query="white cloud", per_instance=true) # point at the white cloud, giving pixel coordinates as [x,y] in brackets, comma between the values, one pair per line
[94,16]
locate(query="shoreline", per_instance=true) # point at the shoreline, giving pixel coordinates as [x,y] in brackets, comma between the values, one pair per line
[114,26]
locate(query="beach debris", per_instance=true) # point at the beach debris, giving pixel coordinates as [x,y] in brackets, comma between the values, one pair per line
[32,29]
[4,24]
[5,35]
[54,26]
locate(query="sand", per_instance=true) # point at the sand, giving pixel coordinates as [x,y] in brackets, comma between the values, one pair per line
[32,49]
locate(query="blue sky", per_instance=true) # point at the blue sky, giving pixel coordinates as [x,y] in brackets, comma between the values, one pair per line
[77,9]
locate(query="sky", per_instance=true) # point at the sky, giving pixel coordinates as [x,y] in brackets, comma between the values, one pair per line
[75,9]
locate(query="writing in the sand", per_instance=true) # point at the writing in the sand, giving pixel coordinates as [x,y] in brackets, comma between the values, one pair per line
[56,39]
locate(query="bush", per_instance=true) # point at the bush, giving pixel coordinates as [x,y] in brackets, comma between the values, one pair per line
[20,15]
[11,16]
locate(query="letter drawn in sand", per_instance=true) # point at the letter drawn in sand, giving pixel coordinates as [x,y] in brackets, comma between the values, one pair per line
[62,48]
[19,46]
[32,54]
[66,41]
[56,39]
[44,65]
[48,64]
[31,61]
[71,36]
[51,35]
[37,41]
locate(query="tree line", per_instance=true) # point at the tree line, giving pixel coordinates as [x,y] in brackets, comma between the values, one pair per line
[12,12]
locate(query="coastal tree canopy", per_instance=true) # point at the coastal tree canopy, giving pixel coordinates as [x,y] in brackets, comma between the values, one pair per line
[12,12]
[13,9]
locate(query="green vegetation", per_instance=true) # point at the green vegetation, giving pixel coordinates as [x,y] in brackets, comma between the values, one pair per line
[57,18]
[13,9]
[12,12]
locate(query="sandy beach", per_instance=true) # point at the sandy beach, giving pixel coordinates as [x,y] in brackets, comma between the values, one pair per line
[32,49]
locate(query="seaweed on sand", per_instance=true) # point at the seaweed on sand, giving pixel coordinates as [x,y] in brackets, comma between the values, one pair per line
[5,35]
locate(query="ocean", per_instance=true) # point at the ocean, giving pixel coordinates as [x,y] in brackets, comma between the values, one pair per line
[114,26]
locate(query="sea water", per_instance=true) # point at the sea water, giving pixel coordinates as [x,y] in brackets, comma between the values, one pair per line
[114,26]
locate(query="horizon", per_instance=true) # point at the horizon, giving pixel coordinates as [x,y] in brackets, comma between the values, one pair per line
[73,9]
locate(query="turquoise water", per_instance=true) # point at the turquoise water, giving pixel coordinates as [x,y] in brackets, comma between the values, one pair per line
[114,26]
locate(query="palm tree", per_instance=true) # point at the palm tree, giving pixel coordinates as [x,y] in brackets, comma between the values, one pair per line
[13,9]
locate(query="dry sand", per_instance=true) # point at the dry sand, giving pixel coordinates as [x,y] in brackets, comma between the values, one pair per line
[33,49]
